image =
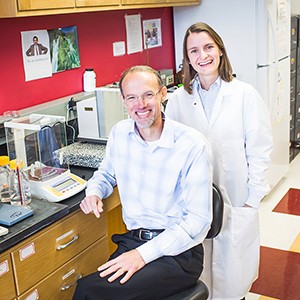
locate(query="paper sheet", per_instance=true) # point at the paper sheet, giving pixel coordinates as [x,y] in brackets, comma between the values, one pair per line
[134,33]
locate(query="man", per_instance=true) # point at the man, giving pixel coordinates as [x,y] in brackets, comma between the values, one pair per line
[164,177]
[36,48]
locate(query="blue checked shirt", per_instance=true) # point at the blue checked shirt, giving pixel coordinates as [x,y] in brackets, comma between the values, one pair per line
[167,185]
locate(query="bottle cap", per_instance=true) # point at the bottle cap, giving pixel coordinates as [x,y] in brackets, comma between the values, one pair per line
[89,69]
[4,160]
[16,163]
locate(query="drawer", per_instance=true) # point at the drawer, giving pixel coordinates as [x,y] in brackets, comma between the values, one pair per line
[39,256]
[297,110]
[297,133]
[294,31]
[7,283]
[293,62]
[61,283]
[291,154]
[298,79]
[292,132]
[293,87]
[292,108]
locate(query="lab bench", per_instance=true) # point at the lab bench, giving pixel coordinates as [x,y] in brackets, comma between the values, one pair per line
[43,256]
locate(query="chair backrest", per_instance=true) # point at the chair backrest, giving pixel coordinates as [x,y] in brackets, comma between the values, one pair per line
[218,211]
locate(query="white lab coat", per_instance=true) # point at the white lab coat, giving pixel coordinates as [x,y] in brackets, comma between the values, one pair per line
[239,131]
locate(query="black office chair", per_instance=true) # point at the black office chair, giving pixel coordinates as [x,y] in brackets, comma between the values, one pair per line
[200,290]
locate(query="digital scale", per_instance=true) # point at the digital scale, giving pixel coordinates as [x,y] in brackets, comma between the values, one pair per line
[58,185]
[37,140]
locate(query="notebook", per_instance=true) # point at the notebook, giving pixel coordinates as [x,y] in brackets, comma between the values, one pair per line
[10,214]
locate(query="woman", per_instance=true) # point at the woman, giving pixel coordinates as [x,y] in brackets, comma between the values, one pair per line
[234,118]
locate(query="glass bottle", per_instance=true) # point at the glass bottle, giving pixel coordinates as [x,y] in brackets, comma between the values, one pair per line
[4,179]
[19,184]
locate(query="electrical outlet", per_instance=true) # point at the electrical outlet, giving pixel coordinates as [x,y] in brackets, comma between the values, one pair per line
[169,80]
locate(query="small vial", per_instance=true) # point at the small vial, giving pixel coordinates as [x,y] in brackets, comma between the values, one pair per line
[89,80]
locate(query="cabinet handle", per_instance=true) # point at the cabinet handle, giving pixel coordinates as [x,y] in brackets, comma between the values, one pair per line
[67,286]
[61,247]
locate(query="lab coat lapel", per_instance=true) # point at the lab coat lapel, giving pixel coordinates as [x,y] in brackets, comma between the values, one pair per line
[224,90]
[197,105]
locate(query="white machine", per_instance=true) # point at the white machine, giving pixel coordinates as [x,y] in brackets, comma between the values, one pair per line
[58,185]
[97,115]
[37,140]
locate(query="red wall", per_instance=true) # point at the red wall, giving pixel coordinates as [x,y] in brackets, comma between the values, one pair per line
[96,33]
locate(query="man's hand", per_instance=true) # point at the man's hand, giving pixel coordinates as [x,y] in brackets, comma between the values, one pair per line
[129,263]
[92,204]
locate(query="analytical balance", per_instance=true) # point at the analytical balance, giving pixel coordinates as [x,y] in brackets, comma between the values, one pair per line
[37,140]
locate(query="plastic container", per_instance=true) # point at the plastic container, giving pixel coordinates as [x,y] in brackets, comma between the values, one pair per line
[4,179]
[19,184]
[89,80]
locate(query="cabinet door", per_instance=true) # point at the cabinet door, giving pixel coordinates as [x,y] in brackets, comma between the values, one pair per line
[61,284]
[7,283]
[125,2]
[86,3]
[39,256]
[184,2]
[44,4]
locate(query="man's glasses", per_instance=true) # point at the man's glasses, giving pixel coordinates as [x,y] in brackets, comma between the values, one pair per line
[146,96]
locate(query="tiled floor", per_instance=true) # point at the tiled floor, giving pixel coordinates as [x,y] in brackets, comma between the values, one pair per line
[279,276]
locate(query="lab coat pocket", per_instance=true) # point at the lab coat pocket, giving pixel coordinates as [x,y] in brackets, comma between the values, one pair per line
[245,226]
[233,155]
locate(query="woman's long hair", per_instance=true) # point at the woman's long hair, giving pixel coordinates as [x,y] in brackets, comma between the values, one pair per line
[225,69]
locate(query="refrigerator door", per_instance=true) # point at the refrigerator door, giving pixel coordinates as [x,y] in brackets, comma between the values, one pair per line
[275,95]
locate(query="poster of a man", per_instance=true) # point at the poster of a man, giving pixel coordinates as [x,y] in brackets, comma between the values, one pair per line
[36,48]
[36,55]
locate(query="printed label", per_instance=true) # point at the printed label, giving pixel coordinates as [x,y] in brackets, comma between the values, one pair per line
[33,296]
[27,251]
[4,267]
[68,274]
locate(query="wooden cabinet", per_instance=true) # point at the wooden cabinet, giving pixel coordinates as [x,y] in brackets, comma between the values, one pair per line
[164,2]
[39,256]
[24,5]
[88,3]
[48,264]
[144,2]
[22,8]
[7,283]
[61,283]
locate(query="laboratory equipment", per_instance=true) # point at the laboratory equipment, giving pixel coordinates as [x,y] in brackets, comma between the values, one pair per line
[97,115]
[38,140]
